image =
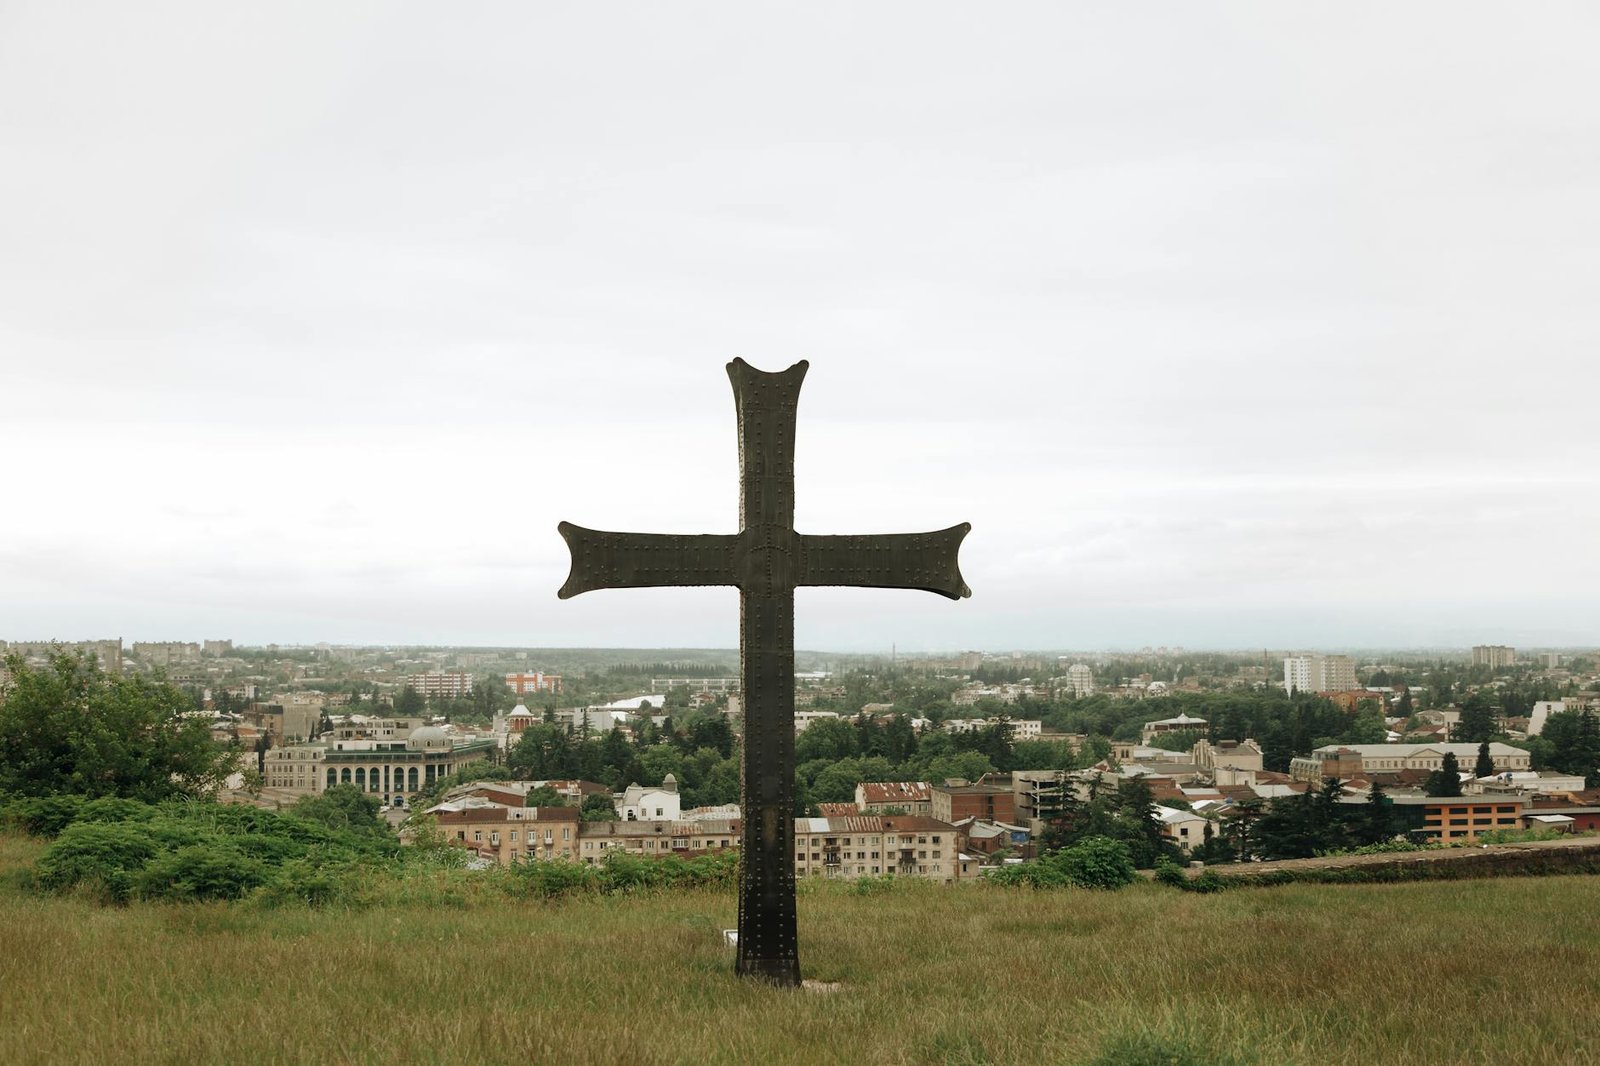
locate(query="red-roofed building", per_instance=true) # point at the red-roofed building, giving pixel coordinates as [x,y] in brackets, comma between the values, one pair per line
[906,797]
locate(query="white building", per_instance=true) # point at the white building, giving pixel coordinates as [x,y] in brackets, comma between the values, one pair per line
[1542,710]
[1184,828]
[1319,673]
[639,803]
[1080,679]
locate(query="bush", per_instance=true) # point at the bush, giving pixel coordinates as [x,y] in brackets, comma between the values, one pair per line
[1170,873]
[1208,881]
[547,879]
[43,816]
[203,871]
[99,855]
[1096,862]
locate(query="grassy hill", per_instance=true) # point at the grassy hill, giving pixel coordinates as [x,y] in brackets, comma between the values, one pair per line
[1504,971]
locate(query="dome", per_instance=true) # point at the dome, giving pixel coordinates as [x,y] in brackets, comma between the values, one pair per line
[521,711]
[670,783]
[428,736]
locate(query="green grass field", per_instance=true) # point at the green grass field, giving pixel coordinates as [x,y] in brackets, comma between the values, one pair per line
[1501,971]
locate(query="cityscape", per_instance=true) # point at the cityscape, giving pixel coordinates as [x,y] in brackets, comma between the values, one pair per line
[982,757]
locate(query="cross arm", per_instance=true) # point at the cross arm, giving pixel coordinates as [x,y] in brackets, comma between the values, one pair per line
[602,560]
[924,561]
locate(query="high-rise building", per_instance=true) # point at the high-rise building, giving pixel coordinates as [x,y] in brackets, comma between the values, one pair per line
[538,681]
[1319,673]
[1080,679]
[1493,656]
[441,683]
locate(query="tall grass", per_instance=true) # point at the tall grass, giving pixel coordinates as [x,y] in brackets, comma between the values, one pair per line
[1504,971]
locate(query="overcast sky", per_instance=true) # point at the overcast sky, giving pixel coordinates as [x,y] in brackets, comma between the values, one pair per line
[1225,326]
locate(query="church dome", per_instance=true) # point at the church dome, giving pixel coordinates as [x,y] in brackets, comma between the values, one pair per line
[521,711]
[428,737]
[670,783]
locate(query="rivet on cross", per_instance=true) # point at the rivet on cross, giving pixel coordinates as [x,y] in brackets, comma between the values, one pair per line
[767,560]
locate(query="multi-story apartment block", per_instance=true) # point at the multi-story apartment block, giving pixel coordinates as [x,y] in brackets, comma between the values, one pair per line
[905,797]
[1319,673]
[717,685]
[538,681]
[165,652]
[864,845]
[990,798]
[217,647]
[450,683]
[1080,680]
[685,837]
[1494,656]
[106,653]
[511,834]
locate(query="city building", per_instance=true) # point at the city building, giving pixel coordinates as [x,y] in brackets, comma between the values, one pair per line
[714,685]
[448,683]
[538,681]
[903,797]
[1494,656]
[1080,679]
[868,845]
[165,653]
[511,834]
[1319,673]
[1184,828]
[106,653]
[1345,761]
[1021,728]
[1183,723]
[1228,755]
[639,803]
[217,648]
[989,798]
[394,770]
[655,839]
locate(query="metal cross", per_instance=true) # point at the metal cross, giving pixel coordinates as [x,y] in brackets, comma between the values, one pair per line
[766,559]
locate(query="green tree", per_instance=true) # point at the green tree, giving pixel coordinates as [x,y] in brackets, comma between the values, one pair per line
[68,727]
[599,808]
[1377,818]
[409,704]
[1445,781]
[1484,767]
[1478,722]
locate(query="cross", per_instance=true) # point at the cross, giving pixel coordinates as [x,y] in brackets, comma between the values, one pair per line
[767,560]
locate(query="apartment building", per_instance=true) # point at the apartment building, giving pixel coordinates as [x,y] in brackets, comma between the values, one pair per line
[867,845]
[512,834]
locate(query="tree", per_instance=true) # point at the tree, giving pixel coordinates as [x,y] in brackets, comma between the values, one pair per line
[1377,818]
[599,808]
[68,727]
[1484,767]
[409,704]
[1477,720]
[1445,781]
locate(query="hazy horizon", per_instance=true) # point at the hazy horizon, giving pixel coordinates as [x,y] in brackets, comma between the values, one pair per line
[1237,326]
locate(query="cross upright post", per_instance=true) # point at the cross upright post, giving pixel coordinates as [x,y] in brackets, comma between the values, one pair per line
[766,560]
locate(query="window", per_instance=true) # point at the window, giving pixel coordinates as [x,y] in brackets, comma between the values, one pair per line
[566,832]
[513,834]
[477,834]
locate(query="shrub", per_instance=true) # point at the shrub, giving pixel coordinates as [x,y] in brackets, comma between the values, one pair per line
[546,879]
[1208,881]
[115,809]
[97,854]
[1170,873]
[43,816]
[1095,862]
[214,871]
